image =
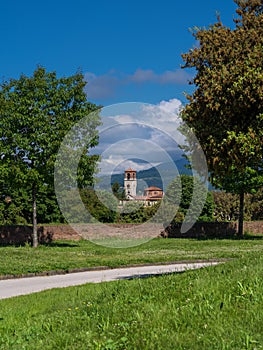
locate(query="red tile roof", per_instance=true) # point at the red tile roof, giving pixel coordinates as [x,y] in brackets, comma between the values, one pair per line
[153,188]
[129,170]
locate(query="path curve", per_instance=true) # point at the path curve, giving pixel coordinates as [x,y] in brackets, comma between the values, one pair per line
[22,286]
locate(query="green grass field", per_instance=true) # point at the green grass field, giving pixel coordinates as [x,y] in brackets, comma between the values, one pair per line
[64,255]
[219,307]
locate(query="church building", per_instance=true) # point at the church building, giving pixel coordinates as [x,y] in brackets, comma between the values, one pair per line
[130,183]
[151,194]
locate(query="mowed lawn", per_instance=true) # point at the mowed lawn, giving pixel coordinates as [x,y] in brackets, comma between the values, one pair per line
[218,307]
[67,255]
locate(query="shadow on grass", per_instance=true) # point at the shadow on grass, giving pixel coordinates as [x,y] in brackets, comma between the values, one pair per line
[56,244]
[235,237]
[155,275]
[251,236]
[62,244]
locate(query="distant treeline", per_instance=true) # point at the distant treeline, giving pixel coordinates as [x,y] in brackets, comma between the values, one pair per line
[16,207]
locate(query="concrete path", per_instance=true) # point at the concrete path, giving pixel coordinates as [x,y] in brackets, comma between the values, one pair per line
[21,286]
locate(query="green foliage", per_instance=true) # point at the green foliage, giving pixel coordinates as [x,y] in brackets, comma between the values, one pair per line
[15,208]
[227,206]
[207,213]
[11,214]
[257,205]
[118,191]
[226,109]
[132,212]
[136,212]
[35,114]
[101,204]
[19,209]
[180,193]
[176,203]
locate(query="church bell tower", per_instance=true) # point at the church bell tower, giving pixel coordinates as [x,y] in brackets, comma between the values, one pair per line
[130,182]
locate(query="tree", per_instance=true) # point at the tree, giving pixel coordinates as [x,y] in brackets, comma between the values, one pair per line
[179,194]
[35,114]
[118,191]
[226,109]
[257,205]
[133,212]
[102,205]
[227,206]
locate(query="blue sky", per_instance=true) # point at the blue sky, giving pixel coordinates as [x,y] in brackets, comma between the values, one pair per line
[128,50]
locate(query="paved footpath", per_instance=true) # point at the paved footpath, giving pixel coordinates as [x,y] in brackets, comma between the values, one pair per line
[21,286]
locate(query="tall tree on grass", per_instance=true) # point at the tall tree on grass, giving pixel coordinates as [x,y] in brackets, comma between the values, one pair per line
[226,109]
[35,114]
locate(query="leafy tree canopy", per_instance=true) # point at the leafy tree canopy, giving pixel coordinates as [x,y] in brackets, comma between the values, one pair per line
[226,109]
[180,193]
[35,114]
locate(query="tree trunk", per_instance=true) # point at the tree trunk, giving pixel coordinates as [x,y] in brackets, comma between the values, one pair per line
[241,214]
[34,206]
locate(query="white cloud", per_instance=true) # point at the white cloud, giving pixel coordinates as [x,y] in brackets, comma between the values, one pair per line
[177,76]
[131,148]
[105,85]
[116,164]
[149,134]
[143,76]
[172,106]
[165,117]
[124,118]
[101,86]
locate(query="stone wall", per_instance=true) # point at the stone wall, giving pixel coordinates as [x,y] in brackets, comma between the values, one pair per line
[255,227]
[17,235]
[212,229]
